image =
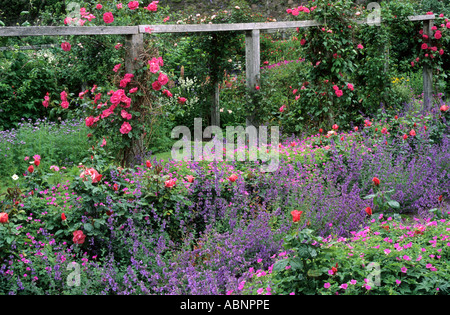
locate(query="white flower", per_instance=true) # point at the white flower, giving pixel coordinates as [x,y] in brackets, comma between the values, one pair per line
[15,177]
[237,7]
[229,111]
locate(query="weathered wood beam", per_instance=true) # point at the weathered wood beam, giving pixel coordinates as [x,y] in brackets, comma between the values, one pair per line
[67,30]
[427,70]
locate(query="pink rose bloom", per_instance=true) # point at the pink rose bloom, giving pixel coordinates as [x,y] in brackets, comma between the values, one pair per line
[339,93]
[65,104]
[424,46]
[133,5]
[168,93]
[438,35]
[152,6]
[117,96]
[182,100]
[125,114]
[117,67]
[108,17]
[98,6]
[89,121]
[162,78]
[170,183]
[350,87]
[190,178]
[133,90]
[156,85]
[125,128]
[153,67]
[119,6]
[92,174]
[66,46]
[63,96]
[78,237]
[360,46]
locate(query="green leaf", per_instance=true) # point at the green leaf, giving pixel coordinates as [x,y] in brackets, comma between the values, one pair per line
[314,273]
[394,204]
[280,265]
[370,196]
[88,227]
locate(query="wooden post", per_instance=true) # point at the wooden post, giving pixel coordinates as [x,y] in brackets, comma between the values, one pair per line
[215,113]
[252,66]
[427,71]
[134,45]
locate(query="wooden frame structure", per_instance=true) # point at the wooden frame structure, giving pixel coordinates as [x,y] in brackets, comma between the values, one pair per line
[134,40]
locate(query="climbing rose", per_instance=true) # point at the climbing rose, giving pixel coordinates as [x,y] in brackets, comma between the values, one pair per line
[335,127]
[405,137]
[156,85]
[117,67]
[162,78]
[412,133]
[444,108]
[148,163]
[438,35]
[78,237]
[125,128]
[63,216]
[182,100]
[108,17]
[350,87]
[30,169]
[65,104]
[66,46]
[360,46]
[369,210]
[133,5]
[152,6]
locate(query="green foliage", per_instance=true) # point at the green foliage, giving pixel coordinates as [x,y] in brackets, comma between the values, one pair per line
[25,78]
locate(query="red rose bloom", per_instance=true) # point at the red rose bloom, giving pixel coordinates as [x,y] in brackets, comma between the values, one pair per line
[296,215]
[78,237]
[376,181]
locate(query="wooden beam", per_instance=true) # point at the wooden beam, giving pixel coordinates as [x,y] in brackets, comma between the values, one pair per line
[67,30]
[252,67]
[165,28]
[427,71]
[134,46]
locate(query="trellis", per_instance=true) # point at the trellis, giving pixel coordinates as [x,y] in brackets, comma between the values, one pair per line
[134,43]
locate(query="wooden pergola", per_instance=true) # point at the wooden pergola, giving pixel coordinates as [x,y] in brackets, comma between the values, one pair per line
[134,42]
